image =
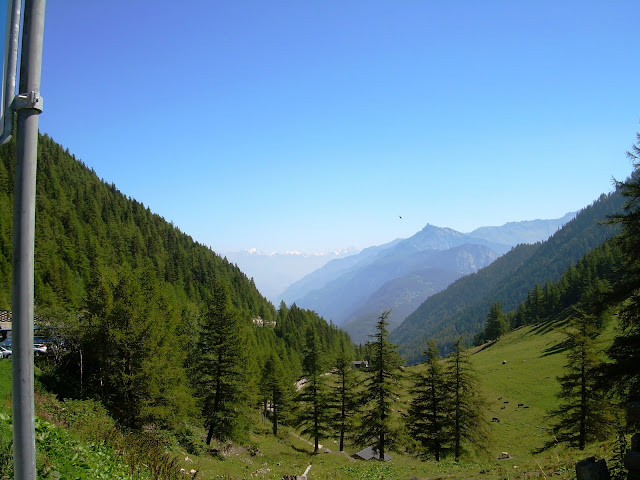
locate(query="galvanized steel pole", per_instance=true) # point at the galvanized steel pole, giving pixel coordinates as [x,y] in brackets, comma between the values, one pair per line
[10,65]
[23,240]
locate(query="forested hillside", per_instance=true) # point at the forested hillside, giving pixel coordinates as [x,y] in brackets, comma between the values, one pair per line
[133,296]
[462,308]
[83,223]
[587,283]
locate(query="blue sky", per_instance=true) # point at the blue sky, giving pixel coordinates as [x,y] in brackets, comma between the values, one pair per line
[289,125]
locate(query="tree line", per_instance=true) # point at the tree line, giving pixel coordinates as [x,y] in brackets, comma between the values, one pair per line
[445,413]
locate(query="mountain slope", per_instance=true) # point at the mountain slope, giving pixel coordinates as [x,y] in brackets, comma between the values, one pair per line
[462,308]
[84,224]
[432,247]
[402,296]
[429,272]
[330,271]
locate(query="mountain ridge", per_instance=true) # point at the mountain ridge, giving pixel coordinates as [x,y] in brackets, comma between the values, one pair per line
[349,288]
[525,231]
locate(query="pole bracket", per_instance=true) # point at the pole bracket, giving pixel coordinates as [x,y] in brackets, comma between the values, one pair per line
[28,100]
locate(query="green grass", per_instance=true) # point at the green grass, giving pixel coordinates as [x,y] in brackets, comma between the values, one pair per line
[534,359]
[528,377]
[62,453]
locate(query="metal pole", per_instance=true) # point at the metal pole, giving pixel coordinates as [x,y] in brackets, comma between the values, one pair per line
[10,65]
[24,450]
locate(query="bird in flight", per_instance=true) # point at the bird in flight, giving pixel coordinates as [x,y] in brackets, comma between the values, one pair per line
[400,217]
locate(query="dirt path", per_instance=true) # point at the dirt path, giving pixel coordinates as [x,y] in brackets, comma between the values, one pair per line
[320,447]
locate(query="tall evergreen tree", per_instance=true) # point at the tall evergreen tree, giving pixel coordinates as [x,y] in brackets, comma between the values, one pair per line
[380,390]
[313,411]
[496,325]
[428,419]
[344,396]
[218,371]
[274,389]
[134,367]
[585,415]
[467,405]
[624,372]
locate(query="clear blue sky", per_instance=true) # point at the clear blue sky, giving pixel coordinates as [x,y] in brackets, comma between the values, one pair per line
[300,125]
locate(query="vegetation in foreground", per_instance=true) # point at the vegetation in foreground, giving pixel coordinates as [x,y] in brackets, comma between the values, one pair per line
[533,361]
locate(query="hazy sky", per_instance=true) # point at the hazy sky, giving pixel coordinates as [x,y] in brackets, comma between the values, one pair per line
[314,125]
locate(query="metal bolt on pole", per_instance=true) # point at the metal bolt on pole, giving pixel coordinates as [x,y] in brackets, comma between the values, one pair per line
[28,105]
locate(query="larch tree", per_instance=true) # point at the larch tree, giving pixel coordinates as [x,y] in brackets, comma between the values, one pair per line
[428,418]
[469,425]
[343,397]
[218,368]
[380,390]
[313,402]
[584,415]
[624,371]
[496,324]
[128,349]
[274,389]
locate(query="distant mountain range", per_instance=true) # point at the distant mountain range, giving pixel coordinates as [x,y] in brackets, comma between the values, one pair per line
[403,294]
[530,231]
[273,272]
[400,275]
[461,309]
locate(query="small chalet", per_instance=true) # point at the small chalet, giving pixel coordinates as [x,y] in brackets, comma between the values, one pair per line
[360,364]
[369,454]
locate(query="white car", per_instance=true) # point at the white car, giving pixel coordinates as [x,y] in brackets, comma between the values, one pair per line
[4,353]
[39,349]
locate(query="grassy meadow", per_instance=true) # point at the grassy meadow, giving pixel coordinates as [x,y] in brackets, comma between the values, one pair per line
[520,368]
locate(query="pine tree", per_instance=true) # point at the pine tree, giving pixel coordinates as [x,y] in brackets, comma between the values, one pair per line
[313,411]
[428,419]
[585,415]
[218,369]
[467,405]
[380,390]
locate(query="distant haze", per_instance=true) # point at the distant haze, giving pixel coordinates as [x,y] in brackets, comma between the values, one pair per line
[530,231]
[273,272]
[291,275]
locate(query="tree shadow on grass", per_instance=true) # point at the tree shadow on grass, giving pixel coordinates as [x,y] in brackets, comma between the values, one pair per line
[486,345]
[557,348]
[301,450]
[548,444]
[543,327]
